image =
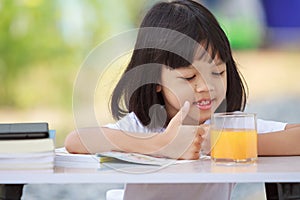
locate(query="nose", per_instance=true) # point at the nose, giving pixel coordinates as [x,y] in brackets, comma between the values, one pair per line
[202,85]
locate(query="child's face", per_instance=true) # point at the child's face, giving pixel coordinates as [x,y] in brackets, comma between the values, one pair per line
[203,84]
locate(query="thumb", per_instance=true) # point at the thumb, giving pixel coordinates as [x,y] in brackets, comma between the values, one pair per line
[182,113]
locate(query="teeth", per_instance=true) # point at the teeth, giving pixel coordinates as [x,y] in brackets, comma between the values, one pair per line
[202,103]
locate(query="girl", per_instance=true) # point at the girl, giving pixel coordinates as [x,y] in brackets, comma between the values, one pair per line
[181,72]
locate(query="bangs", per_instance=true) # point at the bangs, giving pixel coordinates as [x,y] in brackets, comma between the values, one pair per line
[196,29]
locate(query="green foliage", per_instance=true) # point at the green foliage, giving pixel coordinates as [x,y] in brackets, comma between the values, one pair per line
[40,53]
[42,45]
[29,35]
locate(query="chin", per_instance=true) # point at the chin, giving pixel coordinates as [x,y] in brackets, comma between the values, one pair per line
[196,119]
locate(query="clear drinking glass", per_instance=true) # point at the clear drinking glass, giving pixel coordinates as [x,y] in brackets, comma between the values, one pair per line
[233,138]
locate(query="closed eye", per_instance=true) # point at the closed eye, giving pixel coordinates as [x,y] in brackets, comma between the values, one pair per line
[189,78]
[218,73]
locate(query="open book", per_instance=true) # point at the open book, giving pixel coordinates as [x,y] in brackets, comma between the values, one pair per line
[65,159]
[139,158]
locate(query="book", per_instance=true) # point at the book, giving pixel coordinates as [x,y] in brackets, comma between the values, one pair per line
[65,159]
[137,158]
[26,146]
[27,154]
[13,131]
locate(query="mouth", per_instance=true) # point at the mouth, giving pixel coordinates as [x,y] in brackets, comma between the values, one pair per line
[204,104]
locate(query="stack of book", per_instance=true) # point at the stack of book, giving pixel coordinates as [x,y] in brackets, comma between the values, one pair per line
[26,146]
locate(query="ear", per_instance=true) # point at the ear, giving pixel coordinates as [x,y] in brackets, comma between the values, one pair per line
[158,88]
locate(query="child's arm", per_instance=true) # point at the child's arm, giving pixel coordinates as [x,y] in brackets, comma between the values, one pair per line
[168,143]
[280,143]
[100,139]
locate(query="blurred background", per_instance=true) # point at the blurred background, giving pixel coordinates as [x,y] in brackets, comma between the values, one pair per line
[44,43]
[42,47]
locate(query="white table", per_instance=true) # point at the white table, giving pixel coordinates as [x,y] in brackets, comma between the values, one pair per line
[267,169]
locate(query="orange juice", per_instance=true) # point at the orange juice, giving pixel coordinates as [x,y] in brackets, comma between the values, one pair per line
[234,145]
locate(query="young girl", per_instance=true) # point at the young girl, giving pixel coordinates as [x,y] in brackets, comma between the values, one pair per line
[181,72]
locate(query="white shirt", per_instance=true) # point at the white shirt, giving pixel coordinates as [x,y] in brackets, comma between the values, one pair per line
[218,191]
[131,123]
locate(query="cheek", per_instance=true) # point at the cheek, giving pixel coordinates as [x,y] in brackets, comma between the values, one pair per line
[221,87]
[178,95]
[224,85]
[173,98]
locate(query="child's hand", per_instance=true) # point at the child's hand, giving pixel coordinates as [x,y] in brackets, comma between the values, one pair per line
[196,136]
[206,146]
[182,141]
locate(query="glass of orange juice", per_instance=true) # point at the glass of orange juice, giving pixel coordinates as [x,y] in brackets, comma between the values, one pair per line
[233,138]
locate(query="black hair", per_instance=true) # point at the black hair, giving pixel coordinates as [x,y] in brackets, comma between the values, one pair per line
[137,92]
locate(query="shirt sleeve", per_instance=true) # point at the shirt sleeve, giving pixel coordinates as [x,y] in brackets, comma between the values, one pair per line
[264,126]
[130,123]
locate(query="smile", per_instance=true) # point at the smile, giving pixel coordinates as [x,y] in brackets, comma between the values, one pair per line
[204,104]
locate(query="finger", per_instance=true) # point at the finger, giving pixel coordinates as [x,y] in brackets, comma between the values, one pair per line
[205,127]
[196,156]
[197,147]
[203,130]
[198,139]
[200,131]
[190,156]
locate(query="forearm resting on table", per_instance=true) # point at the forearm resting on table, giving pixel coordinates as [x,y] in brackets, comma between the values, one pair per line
[93,140]
[281,143]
